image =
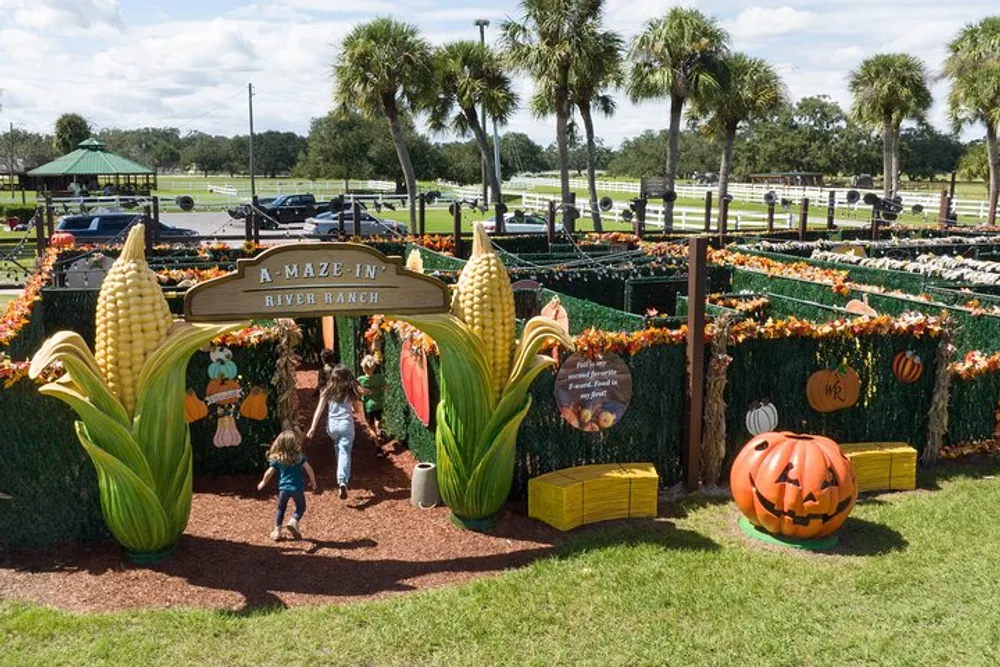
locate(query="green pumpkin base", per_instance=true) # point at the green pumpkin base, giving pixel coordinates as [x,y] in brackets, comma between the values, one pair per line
[818,544]
[147,558]
[475,525]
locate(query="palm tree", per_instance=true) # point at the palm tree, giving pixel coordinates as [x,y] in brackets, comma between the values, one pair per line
[596,68]
[673,57]
[385,68]
[973,65]
[889,88]
[749,89]
[470,74]
[545,44]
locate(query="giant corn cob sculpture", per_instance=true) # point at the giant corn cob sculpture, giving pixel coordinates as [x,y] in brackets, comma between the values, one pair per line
[485,377]
[130,400]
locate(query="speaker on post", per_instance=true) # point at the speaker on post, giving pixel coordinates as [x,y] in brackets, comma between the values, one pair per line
[870,198]
[770,197]
[451,207]
[853,196]
[669,195]
[627,215]
[432,197]
[606,204]
[917,209]
[502,208]
[728,198]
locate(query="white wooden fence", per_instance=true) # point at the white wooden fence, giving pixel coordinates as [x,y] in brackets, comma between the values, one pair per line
[754,192]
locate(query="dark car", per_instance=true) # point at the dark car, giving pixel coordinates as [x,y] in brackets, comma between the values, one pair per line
[293,208]
[103,227]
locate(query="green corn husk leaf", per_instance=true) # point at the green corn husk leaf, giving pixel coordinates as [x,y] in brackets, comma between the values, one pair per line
[452,478]
[465,379]
[159,426]
[104,432]
[130,507]
[490,482]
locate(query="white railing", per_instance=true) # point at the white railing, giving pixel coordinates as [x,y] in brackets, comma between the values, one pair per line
[754,193]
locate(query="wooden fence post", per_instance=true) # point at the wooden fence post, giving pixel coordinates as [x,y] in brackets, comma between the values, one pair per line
[708,211]
[723,220]
[803,218]
[831,209]
[943,208]
[256,220]
[50,218]
[550,223]
[421,214]
[639,221]
[147,217]
[697,270]
[456,230]
[770,217]
[156,220]
[40,230]
[356,217]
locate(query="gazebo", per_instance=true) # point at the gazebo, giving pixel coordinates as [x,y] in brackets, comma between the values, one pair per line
[93,166]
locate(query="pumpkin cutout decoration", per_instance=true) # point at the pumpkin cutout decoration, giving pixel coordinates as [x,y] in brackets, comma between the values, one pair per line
[255,404]
[833,389]
[800,487]
[194,407]
[907,367]
[762,417]
[856,307]
[223,392]
[62,240]
[227,435]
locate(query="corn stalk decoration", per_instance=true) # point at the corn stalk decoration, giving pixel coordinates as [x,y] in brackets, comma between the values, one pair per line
[130,400]
[485,377]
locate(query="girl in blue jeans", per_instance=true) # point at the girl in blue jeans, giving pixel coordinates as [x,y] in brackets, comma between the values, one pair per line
[286,459]
[340,401]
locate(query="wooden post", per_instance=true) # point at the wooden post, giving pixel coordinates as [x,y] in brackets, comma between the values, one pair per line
[708,211]
[943,208]
[248,222]
[569,222]
[668,224]
[156,220]
[770,218]
[50,218]
[803,218]
[40,230]
[831,209]
[456,230]
[875,220]
[550,223]
[340,218]
[498,219]
[723,220]
[639,221]
[256,220]
[147,217]
[697,270]
[421,214]
[356,218]
[991,216]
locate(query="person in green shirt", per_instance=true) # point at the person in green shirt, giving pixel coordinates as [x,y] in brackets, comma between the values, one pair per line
[373,386]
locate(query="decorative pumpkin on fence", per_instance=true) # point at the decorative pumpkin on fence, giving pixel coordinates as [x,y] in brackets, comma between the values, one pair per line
[762,417]
[833,389]
[907,367]
[194,407]
[255,404]
[798,486]
[62,240]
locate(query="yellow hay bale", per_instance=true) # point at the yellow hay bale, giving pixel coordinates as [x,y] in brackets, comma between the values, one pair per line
[883,466]
[568,498]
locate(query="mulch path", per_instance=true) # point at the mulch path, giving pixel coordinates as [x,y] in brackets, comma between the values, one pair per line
[374,544]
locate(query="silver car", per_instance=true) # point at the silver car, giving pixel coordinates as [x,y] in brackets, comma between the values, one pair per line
[527,223]
[327,225]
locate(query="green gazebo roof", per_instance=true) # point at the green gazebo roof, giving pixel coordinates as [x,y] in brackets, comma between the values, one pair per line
[91,158]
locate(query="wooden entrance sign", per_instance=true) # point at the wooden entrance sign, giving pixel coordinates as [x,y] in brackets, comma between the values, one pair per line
[312,280]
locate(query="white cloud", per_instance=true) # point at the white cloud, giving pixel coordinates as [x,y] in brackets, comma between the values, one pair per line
[63,16]
[756,22]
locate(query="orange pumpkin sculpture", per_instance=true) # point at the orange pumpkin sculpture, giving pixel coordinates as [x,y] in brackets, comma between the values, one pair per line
[832,390]
[62,240]
[907,367]
[194,407]
[798,486]
[255,404]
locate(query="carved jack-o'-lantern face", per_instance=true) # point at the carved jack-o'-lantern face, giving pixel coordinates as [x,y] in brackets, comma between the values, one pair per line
[798,486]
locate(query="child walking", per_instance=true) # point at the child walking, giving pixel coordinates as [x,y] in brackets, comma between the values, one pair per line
[373,384]
[340,401]
[286,459]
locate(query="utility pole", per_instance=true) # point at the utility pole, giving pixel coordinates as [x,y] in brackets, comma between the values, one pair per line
[482,23]
[12,160]
[253,182]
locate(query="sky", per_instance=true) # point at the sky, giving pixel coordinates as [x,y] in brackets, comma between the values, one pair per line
[186,63]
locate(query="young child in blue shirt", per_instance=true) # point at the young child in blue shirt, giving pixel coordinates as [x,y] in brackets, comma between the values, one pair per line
[286,459]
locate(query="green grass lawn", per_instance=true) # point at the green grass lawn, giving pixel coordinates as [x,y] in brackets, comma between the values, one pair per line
[913,582]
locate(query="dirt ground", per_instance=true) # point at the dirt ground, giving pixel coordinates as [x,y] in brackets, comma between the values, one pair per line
[371,545]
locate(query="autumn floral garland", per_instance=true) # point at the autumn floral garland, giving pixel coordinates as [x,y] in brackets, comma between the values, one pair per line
[18,312]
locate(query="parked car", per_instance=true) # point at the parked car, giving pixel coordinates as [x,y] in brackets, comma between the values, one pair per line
[293,208]
[327,225]
[97,227]
[527,223]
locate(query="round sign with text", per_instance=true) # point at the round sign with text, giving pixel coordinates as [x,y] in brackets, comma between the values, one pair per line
[593,394]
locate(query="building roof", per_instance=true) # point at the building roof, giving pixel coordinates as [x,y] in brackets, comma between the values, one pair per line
[91,158]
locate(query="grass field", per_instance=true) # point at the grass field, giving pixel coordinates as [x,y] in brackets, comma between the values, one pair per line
[912,583]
